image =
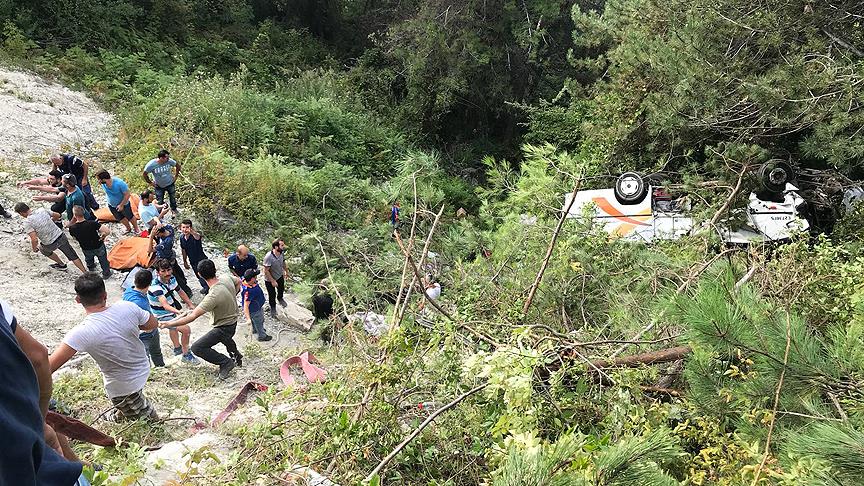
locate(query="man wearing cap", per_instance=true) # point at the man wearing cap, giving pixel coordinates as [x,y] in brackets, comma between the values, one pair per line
[253,303]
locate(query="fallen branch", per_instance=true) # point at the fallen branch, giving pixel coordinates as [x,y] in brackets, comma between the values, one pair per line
[397,305]
[656,389]
[726,205]
[550,249]
[416,276]
[419,429]
[652,357]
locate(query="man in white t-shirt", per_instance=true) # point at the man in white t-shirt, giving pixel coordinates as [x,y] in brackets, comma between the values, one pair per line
[109,334]
[46,237]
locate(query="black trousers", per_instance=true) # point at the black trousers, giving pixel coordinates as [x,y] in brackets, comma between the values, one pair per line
[275,292]
[181,277]
[203,346]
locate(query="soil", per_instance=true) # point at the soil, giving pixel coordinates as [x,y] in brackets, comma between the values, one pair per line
[38,117]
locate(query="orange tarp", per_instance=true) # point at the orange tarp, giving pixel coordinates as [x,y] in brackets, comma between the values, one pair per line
[104,214]
[129,252]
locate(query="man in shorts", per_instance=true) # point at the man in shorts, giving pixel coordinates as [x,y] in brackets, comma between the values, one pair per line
[118,195]
[109,334]
[221,304]
[163,295]
[46,237]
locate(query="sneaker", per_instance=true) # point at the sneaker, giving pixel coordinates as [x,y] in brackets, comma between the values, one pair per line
[265,338]
[238,360]
[273,312]
[178,351]
[283,303]
[189,358]
[58,266]
[107,274]
[225,369]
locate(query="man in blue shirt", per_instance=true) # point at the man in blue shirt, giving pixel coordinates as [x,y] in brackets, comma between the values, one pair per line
[253,303]
[162,246]
[137,294]
[165,171]
[30,452]
[118,200]
[75,197]
[193,251]
[241,261]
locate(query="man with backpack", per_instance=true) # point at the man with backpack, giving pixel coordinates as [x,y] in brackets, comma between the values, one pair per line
[163,296]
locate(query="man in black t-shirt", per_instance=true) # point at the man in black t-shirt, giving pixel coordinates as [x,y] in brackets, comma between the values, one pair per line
[26,456]
[91,236]
[70,164]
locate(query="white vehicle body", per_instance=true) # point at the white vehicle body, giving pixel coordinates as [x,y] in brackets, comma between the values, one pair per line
[652,219]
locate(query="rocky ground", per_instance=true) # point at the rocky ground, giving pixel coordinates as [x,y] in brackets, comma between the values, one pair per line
[38,117]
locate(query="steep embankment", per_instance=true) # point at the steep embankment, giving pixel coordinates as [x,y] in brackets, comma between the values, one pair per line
[38,117]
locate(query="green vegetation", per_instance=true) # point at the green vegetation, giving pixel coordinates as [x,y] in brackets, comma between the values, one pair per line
[306,119]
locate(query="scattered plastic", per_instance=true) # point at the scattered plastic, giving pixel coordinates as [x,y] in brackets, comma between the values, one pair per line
[374,324]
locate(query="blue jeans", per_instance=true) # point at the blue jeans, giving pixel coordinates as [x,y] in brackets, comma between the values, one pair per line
[172,195]
[151,342]
[258,322]
[101,253]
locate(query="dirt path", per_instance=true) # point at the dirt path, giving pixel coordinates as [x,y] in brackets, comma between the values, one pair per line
[39,117]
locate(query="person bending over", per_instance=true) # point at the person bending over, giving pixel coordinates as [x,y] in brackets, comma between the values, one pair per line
[221,304]
[46,237]
[241,261]
[91,237]
[109,334]
[118,195]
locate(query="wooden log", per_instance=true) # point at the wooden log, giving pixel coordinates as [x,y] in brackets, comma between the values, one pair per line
[649,358]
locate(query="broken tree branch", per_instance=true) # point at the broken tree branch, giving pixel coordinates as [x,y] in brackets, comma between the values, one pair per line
[550,249]
[419,429]
[649,358]
[416,276]
[726,205]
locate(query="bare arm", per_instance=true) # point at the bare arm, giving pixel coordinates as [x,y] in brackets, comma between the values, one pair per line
[176,169]
[126,196]
[86,170]
[185,298]
[34,242]
[163,301]
[38,356]
[146,177]
[44,188]
[185,257]
[50,198]
[269,277]
[60,356]
[195,314]
[246,310]
[152,323]
[104,231]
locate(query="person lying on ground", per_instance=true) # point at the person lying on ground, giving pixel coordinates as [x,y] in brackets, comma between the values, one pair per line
[118,200]
[274,275]
[32,453]
[91,237]
[68,164]
[241,261]
[163,296]
[138,296]
[253,304]
[221,304]
[162,247]
[46,237]
[109,334]
[193,251]
[165,171]
[75,197]
[151,213]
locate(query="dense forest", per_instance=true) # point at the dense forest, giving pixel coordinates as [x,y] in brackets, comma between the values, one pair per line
[479,116]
